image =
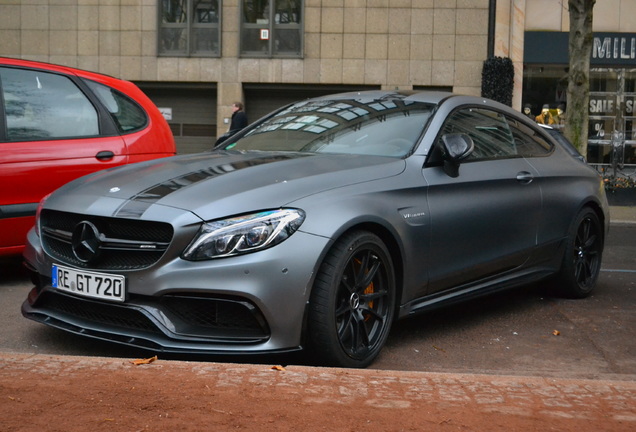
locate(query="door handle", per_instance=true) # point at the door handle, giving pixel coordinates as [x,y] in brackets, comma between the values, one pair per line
[525,177]
[105,155]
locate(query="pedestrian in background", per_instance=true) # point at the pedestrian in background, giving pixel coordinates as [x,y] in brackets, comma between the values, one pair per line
[238,122]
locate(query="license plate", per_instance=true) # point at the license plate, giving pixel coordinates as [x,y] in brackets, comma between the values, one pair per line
[101,286]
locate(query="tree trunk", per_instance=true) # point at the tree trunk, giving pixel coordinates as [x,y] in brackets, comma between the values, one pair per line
[580,50]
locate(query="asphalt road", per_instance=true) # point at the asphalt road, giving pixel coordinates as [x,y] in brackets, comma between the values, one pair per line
[521,332]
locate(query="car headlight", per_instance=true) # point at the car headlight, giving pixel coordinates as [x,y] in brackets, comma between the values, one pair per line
[243,234]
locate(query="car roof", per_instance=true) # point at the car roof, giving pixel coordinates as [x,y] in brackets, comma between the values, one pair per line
[8,61]
[434,97]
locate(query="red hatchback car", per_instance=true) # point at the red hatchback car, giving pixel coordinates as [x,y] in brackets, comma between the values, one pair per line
[58,123]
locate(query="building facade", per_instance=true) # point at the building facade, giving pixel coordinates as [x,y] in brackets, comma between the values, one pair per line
[194,58]
[543,70]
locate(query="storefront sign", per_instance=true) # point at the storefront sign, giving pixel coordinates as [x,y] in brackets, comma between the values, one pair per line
[614,48]
[630,105]
[608,49]
[602,105]
[606,105]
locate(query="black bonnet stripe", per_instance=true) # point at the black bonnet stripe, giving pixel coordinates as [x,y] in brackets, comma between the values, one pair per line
[139,203]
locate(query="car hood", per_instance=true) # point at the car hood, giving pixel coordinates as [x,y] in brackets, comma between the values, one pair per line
[221,183]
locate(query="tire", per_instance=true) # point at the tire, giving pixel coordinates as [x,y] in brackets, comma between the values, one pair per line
[582,258]
[352,303]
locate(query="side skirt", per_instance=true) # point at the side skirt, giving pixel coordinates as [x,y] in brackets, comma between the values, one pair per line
[482,288]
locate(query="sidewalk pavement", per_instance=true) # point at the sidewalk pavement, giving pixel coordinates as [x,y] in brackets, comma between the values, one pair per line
[623,214]
[219,396]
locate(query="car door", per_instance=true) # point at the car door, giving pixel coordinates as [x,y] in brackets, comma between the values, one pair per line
[49,135]
[483,221]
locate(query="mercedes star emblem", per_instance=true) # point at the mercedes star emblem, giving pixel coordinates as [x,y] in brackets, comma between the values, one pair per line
[86,242]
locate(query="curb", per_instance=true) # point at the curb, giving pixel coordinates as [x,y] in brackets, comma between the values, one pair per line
[394,400]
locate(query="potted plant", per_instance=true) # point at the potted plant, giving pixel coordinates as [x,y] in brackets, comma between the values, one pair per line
[621,190]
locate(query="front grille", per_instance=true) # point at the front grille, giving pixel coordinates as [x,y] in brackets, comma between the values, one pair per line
[126,244]
[190,318]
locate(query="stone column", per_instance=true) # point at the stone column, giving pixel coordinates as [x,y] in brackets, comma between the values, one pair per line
[509,37]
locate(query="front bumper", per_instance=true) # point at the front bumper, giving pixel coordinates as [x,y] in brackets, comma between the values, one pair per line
[248,304]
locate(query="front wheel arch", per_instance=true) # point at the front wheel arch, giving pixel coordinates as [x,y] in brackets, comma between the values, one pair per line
[395,251]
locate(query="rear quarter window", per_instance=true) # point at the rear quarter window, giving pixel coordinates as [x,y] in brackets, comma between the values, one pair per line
[529,142]
[126,113]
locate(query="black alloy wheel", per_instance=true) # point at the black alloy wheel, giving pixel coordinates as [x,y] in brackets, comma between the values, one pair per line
[583,254]
[353,301]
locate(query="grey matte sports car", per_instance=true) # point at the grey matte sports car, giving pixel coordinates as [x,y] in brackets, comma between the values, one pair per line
[316,227]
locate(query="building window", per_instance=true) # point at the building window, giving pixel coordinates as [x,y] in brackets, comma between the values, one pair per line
[271,28]
[189,28]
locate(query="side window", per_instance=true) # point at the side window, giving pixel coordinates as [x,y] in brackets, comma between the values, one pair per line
[489,130]
[42,105]
[529,143]
[128,116]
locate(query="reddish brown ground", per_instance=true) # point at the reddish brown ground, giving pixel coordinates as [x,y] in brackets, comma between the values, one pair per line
[40,393]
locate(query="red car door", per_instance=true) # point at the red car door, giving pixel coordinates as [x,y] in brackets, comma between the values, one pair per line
[49,135]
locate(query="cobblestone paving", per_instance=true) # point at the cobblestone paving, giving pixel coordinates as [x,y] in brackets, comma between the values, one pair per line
[611,403]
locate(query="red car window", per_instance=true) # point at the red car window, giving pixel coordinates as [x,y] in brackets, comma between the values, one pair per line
[41,105]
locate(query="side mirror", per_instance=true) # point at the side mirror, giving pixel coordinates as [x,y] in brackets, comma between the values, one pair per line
[455,147]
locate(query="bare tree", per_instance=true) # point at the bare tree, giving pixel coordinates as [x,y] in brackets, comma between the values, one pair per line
[580,49]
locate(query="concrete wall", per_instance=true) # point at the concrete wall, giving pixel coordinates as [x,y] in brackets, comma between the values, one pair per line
[391,43]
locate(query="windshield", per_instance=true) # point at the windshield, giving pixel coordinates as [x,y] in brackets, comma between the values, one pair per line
[379,127]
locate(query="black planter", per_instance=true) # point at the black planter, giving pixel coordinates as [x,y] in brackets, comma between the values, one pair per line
[622,197]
